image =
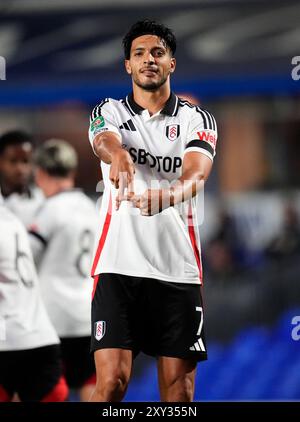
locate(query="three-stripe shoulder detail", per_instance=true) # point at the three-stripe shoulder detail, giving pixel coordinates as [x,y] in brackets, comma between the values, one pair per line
[209,121]
[97,109]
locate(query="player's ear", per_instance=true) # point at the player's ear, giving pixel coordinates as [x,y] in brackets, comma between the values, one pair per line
[128,67]
[172,65]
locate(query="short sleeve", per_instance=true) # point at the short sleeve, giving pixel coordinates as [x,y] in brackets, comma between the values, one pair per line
[44,222]
[102,120]
[202,134]
[41,230]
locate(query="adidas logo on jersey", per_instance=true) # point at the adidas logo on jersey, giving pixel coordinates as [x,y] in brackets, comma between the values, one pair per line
[198,346]
[128,126]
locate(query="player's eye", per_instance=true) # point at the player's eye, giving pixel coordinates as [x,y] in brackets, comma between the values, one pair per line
[158,53]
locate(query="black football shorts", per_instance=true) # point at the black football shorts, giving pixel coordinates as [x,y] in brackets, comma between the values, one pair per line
[159,318]
[35,374]
[79,365]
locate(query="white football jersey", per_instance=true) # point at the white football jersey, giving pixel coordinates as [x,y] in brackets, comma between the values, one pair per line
[165,246]
[62,240]
[25,205]
[24,323]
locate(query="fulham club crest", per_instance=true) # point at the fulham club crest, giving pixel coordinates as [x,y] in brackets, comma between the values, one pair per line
[99,330]
[172,132]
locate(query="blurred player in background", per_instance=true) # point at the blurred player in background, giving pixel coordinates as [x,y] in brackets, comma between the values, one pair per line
[62,239]
[20,195]
[147,267]
[30,362]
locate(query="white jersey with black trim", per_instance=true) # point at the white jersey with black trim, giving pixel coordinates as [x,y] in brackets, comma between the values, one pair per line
[25,205]
[165,246]
[24,322]
[62,241]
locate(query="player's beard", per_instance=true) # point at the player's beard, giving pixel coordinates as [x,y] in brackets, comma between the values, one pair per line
[151,85]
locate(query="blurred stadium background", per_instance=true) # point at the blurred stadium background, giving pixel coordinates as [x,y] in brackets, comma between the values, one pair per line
[235,58]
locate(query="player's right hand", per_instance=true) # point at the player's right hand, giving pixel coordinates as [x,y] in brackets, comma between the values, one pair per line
[121,169]
[122,175]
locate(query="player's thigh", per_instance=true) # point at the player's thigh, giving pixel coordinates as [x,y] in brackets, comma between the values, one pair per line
[113,364]
[112,313]
[176,321]
[175,370]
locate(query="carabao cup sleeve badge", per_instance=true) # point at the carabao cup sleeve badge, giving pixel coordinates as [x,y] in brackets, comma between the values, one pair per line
[97,123]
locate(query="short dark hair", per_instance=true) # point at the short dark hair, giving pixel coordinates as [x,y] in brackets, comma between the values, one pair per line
[14,137]
[150,27]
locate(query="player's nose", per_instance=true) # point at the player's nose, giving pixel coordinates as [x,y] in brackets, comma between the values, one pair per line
[148,58]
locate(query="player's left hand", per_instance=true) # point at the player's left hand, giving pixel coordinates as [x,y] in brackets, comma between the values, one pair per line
[152,201]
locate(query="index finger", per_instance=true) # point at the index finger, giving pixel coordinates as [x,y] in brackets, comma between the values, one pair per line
[121,191]
[122,183]
[130,190]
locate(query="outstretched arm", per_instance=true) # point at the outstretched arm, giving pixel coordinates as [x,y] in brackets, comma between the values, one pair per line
[195,172]
[107,146]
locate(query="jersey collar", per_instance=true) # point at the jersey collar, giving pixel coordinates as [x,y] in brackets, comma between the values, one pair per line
[170,108]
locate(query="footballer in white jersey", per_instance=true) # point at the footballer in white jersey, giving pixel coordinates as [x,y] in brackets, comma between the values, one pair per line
[62,240]
[156,153]
[25,205]
[29,353]
[180,128]
[20,195]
